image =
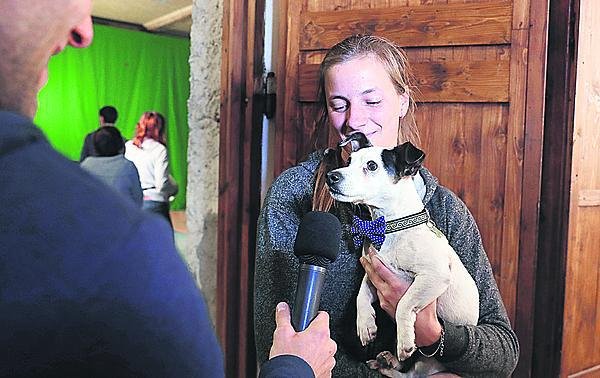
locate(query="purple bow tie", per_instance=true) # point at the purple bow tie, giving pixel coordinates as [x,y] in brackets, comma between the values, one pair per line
[373,230]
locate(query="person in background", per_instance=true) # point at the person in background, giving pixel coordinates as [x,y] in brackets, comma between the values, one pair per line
[91,284]
[108,117]
[148,151]
[111,167]
[364,86]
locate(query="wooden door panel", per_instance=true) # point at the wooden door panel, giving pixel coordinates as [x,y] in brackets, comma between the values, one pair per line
[469,158]
[435,25]
[442,81]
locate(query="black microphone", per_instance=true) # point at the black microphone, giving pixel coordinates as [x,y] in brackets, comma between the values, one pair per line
[317,245]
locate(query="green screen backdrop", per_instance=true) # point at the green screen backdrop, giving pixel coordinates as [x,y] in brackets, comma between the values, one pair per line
[130,70]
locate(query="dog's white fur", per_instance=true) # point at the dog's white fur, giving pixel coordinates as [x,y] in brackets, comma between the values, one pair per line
[416,253]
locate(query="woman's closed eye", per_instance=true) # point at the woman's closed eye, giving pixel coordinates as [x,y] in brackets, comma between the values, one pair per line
[339,106]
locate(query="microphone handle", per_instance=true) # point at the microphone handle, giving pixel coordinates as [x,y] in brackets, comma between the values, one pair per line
[308,295]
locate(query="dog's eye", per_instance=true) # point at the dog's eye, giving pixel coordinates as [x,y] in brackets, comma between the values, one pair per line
[371,165]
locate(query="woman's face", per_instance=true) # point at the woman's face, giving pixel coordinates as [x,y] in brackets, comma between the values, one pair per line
[361,97]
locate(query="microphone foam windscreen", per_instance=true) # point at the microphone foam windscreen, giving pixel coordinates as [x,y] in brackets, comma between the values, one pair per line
[318,238]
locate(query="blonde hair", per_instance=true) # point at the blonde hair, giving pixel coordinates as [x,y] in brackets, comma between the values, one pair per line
[150,125]
[396,64]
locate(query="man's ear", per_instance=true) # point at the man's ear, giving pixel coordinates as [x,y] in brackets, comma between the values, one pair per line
[406,158]
[358,140]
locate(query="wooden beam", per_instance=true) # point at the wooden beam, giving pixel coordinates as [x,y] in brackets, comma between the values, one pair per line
[475,81]
[420,25]
[169,18]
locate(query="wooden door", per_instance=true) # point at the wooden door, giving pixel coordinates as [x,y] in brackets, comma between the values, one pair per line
[478,70]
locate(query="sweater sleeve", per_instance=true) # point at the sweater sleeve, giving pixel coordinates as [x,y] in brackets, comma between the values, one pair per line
[490,348]
[162,178]
[276,266]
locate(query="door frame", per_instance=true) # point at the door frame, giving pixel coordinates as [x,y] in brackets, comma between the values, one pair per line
[239,181]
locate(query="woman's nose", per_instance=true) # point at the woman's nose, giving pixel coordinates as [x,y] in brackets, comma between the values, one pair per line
[82,34]
[357,117]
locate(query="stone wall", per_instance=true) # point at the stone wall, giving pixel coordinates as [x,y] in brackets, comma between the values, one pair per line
[203,146]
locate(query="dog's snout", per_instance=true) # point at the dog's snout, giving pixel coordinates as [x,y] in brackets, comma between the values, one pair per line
[333,177]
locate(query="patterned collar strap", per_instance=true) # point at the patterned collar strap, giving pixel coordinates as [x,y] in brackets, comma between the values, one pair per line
[407,222]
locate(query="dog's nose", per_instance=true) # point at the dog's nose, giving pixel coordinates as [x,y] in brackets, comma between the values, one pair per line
[333,178]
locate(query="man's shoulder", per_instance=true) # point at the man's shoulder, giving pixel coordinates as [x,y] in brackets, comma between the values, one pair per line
[90,135]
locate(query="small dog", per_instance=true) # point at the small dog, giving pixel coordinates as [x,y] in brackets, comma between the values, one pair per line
[382,179]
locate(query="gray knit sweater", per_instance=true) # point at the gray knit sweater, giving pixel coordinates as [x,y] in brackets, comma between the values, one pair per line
[486,350]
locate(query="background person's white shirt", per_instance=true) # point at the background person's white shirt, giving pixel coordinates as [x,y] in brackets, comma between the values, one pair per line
[152,163]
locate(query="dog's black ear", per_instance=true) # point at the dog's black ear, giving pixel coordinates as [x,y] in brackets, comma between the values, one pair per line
[358,140]
[405,158]
[332,159]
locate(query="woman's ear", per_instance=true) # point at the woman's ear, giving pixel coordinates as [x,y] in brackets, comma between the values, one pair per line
[404,104]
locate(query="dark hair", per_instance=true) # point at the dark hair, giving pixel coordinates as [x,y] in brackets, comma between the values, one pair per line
[108,141]
[109,113]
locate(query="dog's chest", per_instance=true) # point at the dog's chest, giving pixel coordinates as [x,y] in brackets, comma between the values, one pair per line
[408,250]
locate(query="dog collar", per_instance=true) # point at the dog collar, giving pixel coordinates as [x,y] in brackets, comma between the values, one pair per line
[408,221]
[376,230]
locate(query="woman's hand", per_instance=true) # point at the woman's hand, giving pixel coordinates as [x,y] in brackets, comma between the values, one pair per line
[390,288]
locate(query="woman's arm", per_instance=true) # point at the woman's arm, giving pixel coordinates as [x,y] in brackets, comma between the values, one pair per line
[275,265]
[161,174]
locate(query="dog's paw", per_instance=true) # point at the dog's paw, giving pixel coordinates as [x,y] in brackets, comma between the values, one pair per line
[387,360]
[387,364]
[406,342]
[366,328]
[405,351]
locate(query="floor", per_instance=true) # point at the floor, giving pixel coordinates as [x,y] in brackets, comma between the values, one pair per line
[180,228]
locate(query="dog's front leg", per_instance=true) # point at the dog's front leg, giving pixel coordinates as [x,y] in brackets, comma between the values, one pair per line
[365,313]
[424,290]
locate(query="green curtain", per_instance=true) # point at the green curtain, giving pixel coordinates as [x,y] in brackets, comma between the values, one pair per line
[133,71]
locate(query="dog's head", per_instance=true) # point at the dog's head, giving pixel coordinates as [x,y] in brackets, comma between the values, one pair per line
[372,173]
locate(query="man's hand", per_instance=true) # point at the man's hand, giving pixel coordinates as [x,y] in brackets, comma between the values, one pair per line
[390,288]
[313,345]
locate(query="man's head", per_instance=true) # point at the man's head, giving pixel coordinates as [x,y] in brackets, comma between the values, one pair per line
[31,31]
[108,114]
[108,142]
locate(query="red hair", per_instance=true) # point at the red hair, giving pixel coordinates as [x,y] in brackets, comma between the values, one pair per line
[150,125]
